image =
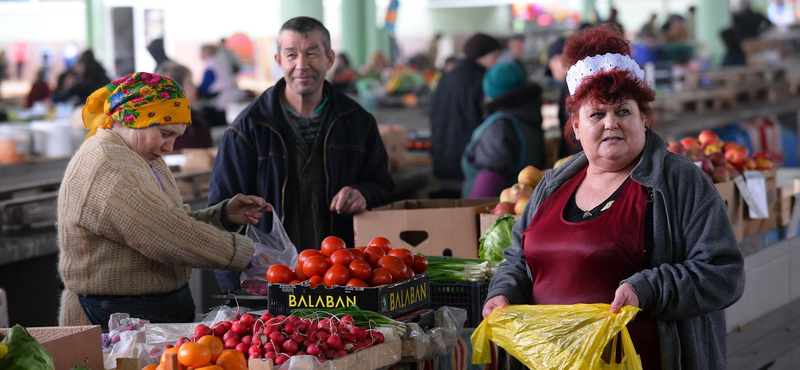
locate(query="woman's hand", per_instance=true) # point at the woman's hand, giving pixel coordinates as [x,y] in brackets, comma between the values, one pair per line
[495,302]
[622,297]
[244,209]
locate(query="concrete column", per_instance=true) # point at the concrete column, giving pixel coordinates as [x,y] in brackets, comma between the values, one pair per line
[713,16]
[296,8]
[355,30]
[377,39]
[95,23]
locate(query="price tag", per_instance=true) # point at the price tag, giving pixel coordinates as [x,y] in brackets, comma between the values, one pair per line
[754,191]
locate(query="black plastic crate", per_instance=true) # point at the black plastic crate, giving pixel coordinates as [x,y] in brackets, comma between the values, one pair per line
[390,300]
[468,295]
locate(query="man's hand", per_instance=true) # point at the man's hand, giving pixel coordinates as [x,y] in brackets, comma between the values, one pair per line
[495,302]
[624,296]
[348,200]
[244,209]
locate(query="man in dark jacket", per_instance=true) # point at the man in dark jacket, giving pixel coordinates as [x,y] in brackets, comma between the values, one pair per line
[457,109]
[310,151]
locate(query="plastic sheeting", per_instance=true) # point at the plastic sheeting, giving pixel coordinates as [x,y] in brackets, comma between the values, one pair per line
[419,345]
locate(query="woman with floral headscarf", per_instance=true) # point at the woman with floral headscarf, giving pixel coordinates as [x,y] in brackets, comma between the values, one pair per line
[126,241]
[626,222]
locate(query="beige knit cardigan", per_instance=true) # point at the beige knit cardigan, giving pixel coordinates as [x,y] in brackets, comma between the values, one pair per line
[120,234]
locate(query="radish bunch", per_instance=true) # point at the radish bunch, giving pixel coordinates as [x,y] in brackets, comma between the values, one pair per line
[281,337]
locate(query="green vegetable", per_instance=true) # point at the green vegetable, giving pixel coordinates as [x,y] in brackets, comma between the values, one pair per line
[451,269]
[367,319]
[24,352]
[496,239]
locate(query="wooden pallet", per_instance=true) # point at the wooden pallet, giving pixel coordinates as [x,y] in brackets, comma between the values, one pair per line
[716,99]
[733,77]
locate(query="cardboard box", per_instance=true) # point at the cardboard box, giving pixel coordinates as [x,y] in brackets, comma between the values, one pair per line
[389,300]
[432,227]
[487,219]
[734,203]
[394,140]
[753,227]
[69,345]
[784,206]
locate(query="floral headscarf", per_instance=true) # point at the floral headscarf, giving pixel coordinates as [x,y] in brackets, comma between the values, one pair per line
[137,101]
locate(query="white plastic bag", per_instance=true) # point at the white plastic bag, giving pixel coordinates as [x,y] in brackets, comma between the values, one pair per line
[421,345]
[271,248]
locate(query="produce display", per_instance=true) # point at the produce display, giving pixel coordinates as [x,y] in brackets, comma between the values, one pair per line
[721,161]
[514,199]
[325,335]
[20,351]
[335,265]
[496,239]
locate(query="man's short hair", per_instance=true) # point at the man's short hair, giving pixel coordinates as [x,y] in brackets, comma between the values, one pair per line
[304,26]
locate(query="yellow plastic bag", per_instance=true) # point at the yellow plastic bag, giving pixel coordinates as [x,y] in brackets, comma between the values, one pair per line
[564,337]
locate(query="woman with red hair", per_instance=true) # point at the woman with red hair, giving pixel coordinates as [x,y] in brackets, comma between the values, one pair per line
[626,222]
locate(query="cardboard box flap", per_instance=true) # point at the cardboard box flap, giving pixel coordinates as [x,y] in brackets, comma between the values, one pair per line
[414,204]
[70,345]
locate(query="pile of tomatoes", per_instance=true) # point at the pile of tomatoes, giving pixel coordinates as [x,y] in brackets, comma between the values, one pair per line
[227,344]
[334,264]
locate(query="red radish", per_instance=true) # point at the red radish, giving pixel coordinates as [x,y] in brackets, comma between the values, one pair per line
[289,347]
[252,350]
[258,326]
[289,328]
[349,338]
[321,359]
[308,342]
[323,347]
[239,328]
[276,338]
[229,335]
[301,327]
[270,355]
[266,316]
[293,319]
[271,328]
[297,338]
[181,341]
[331,354]
[269,347]
[243,348]
[248,319]
[341,353]
[281,359]
[256,355]
[168,346]
[219,329]
[201,331]
[377,336]
[301,353]
[247,339]
[365,343]
[231,343]
[359,332]
[322,336]
[281,318]
[334,342]
[313,350]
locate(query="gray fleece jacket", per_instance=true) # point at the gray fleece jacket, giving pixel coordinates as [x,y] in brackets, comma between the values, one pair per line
[696,268]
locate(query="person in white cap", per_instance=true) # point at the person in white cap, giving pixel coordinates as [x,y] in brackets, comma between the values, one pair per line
[626,222]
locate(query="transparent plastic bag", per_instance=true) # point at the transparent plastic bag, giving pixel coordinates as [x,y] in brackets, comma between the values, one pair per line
[567,337]
[271,248]
[419,345]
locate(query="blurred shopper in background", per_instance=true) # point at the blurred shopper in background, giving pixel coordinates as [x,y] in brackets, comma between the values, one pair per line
[749,22]
[3,68]
[40,89]
[309,150]
[229,56]
[509,139]
[457,109]
[198,134]
[156,49]
[218,88]
[557,68]
[86,76]
[450,64]
[344,76]
[514,52]
[734,55]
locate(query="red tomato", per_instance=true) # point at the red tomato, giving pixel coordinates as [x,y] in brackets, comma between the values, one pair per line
[361,248]
[380,276]
[381,242]
[299,274]
[342,257]
[279,274]
[403,254]
[315,265]
[301,258]
[395,266]
[315,280]
[420,264]
[373,254]
[336,275]
[332,244]
[295,282]
[356,283]
[358,254]
[360,269]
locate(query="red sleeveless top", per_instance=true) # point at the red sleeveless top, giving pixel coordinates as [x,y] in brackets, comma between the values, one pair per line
[584,262]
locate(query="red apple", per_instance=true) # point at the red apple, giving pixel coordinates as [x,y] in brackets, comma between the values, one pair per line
[763,164]
[707,136]
[761,155]
[530,175]
[736,156]
[717,159]
[750,164]
[693,153]
[676,147]
[520,206]
[503,208]
[689,142]
[720,174]
[728,146]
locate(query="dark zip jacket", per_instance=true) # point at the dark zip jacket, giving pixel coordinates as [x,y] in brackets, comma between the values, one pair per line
[253,159]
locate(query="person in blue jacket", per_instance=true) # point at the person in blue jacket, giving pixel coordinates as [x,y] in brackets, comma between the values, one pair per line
[310,151]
